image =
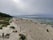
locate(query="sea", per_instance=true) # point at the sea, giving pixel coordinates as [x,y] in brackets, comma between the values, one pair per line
[48,20]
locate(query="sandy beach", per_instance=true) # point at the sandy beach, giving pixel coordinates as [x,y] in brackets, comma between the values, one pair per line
[32,30]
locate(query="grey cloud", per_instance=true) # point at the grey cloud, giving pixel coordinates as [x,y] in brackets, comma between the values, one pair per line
[30,7]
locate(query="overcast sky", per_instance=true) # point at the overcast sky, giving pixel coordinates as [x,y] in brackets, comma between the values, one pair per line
[26,7]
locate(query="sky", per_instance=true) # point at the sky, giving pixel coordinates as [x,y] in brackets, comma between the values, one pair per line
[26,7]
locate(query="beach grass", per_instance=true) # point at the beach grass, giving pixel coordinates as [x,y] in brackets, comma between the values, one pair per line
[4,21]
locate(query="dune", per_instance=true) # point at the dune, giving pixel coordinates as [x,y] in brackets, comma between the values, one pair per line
[32,30]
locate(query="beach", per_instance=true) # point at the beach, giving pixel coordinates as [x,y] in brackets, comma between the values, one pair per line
[32,30]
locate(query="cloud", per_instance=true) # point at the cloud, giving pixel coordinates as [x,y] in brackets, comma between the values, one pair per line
[26,7]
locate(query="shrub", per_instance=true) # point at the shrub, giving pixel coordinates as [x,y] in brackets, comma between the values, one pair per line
[47,30]
[0,27]
[15,31]
[22,37]
[7,35]
[12,27]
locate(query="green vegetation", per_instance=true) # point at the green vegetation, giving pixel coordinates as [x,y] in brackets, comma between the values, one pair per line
[12,27]
[22,37]
[15,31]
[0,27]
[4,15]
[4,20]
[7,35]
